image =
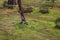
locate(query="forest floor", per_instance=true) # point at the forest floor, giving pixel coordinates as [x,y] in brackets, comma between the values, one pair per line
[40,26]
[56,8]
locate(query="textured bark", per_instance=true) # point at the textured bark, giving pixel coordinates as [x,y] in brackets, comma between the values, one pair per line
[23,21]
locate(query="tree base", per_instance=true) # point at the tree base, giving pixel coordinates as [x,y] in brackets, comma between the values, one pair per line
[24,23]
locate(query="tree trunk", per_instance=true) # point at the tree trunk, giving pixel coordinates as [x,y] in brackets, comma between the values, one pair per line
[52,1]
[23,21]
[12,2]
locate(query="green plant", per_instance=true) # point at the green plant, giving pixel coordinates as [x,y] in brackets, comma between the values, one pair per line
[57,23]
[20,26]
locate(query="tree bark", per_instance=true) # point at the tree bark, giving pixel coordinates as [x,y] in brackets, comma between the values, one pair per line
[23,21]
[12,2]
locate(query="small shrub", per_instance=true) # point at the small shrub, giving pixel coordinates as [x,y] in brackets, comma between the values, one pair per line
[28,10]
[5,5]
[44,11]
[57,23]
